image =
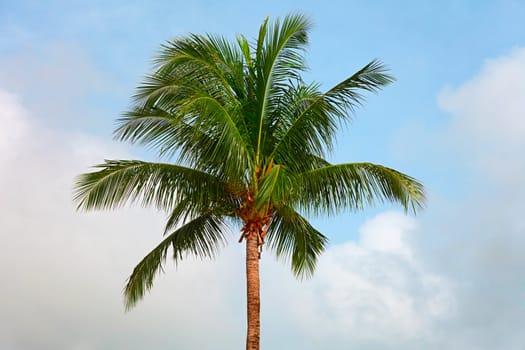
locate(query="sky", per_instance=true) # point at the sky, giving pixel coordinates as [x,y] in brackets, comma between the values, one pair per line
[449,278]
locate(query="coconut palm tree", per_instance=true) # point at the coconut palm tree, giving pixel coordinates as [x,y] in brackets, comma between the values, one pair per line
[244,142]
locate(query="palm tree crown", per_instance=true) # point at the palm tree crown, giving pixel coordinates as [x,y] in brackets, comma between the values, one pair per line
[245,141]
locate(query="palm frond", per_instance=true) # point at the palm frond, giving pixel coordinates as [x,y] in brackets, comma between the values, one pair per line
[195,92]
[223,142]
[163,185]
[312,126]
[346,95]
[292,237]
[279,57]
[151,127]
[194,60]
[353,186]
[171,136]
[275,187]
[297,113]
[201,237]
[229,59]
[187,209]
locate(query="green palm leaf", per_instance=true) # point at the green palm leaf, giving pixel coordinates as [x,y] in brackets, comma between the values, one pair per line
[293,238]
[194,92]
[275,187]
[126,181]
[279,58]
[333,188]
[312,123]
[201,237]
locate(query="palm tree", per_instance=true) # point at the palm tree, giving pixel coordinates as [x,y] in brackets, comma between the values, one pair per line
[244,142]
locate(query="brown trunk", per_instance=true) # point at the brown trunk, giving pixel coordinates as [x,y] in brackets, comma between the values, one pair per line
[253,292]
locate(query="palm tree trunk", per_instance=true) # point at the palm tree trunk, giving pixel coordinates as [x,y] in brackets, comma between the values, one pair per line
[253,293]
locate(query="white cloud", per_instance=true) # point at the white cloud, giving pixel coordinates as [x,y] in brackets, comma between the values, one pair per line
[473,231]
[487,124]
[489,107]
[14,121]
[476,237]
[385,233]
[366,292]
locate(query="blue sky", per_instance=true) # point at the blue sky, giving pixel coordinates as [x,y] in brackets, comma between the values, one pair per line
[448,278]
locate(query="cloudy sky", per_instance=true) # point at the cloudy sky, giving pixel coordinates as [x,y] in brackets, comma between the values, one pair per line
[450,278]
